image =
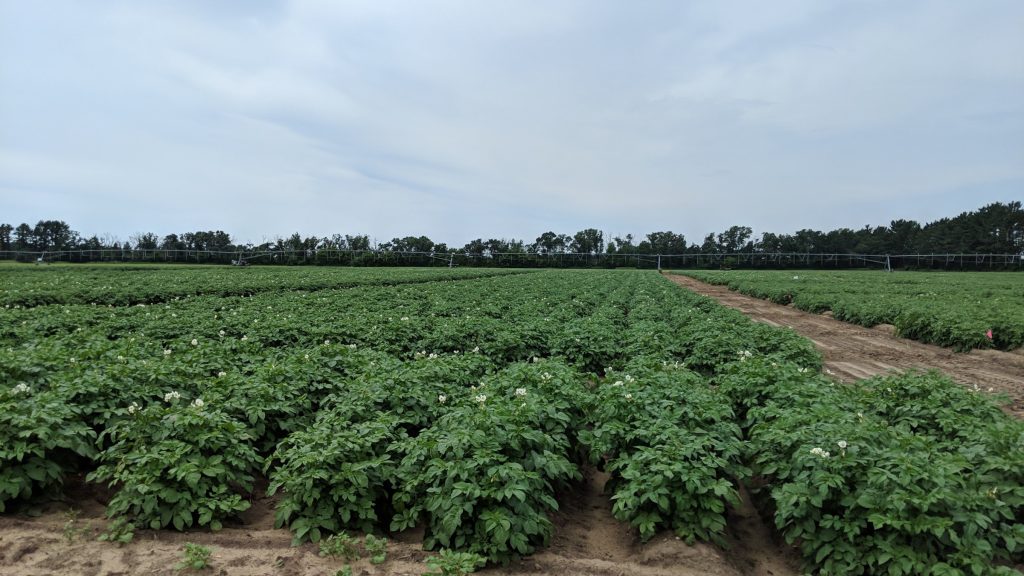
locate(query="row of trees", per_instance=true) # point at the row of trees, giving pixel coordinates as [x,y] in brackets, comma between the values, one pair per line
[993,229]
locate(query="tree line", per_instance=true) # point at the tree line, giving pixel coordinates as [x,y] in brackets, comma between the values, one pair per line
[996,228]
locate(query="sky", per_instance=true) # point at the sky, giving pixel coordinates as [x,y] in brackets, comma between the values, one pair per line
[506,118]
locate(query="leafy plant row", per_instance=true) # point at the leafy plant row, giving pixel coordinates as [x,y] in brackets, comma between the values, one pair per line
[960,310]
[128,286]
[594,320]
[672,447]
[911,474]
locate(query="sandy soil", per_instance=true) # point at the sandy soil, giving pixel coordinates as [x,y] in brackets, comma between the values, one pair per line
[587,541]
[853,352]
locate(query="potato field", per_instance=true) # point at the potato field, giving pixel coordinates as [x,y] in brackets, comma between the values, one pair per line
[467,403]
[961,310]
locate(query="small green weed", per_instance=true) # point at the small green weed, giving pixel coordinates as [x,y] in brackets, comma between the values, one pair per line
[119,531]
[194,557]
[339,545]
[71,528]
[449,563]
[376,548]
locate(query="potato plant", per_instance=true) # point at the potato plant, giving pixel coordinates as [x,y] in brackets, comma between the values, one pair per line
[483,477]
[672,448]
[40,434]
[335,474]
[178,463]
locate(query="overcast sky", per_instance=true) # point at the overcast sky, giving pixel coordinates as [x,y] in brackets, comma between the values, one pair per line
[461,119]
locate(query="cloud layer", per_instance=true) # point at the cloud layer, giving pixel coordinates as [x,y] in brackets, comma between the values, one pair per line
[506,118]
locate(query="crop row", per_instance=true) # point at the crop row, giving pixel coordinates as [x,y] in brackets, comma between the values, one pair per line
[130,285]
[959,310]
[907,474]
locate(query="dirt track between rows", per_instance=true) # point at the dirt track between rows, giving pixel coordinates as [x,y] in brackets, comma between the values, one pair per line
[587,541]
[853,352]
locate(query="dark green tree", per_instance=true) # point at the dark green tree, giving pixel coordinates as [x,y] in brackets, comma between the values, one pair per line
[589,241]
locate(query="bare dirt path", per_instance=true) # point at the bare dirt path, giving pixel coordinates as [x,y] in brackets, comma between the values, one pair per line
[853,352]
[587,541]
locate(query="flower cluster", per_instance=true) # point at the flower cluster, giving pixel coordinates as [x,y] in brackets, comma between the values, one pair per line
[21,389]
[545,376]
[195,342]
[167,352]
[171,396]
[820,452]
[520,392]
[441,398]
[197,403]
[744,354]
[481,398]
[134,407]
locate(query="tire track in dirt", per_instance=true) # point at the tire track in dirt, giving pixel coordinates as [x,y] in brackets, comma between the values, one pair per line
[854,352]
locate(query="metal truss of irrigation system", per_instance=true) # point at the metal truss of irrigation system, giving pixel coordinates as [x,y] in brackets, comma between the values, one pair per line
[331,256]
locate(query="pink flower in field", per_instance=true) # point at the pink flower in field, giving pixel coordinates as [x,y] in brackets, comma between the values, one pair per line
[989,334]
